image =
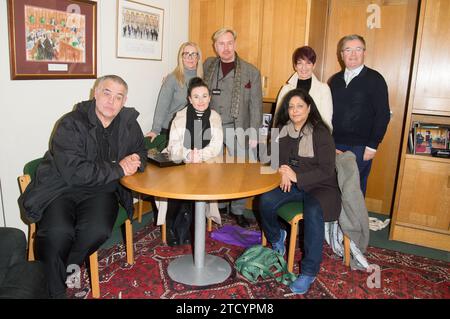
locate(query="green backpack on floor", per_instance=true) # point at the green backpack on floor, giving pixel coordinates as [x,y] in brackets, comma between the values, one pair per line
[262,261]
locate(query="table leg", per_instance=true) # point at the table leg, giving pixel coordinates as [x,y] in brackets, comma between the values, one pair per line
[200,269]
[199,244]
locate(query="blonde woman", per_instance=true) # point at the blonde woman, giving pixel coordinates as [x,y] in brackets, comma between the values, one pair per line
[172,97]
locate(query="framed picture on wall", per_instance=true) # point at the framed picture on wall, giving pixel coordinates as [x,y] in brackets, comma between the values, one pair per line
[52,39]
[139,31]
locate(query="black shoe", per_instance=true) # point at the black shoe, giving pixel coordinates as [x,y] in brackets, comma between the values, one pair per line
[241,221]
[172,240]
[223,211]
[187,241]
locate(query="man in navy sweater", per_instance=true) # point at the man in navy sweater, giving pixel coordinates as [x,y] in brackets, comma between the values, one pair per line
[360,106]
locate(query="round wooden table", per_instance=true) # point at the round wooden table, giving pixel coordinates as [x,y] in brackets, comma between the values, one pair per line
[202,182]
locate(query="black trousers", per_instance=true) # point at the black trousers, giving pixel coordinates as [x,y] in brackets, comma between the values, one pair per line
[72,227]
[19,278]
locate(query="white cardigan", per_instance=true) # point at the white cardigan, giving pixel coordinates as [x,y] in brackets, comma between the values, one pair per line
[177,150]
[320,92]
[176,139]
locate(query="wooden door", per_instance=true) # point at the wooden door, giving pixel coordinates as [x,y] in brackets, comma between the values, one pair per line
[284,29]
[205,17]
[389,51]
[432,90]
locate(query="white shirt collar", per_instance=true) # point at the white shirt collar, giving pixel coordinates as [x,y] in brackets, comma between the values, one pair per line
[354,72]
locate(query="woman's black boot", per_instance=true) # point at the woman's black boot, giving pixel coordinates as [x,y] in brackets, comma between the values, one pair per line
[171,235]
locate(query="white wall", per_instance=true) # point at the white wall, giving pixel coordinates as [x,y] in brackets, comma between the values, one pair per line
[2,219]
[30,108]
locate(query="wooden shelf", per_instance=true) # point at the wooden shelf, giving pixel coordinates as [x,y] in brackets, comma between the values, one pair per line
[427,157]
[427,118]
[429,112]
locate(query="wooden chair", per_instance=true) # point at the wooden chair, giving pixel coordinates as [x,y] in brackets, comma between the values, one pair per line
[122,217]
[292,213]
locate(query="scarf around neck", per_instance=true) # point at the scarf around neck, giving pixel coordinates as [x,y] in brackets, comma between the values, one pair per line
[236,90]
[305,136]
[198,133]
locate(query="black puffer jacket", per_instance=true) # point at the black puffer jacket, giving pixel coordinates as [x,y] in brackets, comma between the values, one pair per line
[71,160]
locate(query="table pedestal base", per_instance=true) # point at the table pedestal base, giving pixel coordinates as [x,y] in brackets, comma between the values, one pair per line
[214,271]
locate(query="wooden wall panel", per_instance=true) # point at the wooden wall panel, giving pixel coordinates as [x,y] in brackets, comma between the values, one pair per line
[206,16]
[317,33]
[432,90]
[431,177]
[283,31]
[245,17]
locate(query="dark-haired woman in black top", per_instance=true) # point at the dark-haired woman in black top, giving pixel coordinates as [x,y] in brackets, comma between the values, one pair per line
[307,168]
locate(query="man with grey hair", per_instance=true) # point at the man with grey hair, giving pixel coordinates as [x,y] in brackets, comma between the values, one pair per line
[360,106]
[237,96]
[74,197]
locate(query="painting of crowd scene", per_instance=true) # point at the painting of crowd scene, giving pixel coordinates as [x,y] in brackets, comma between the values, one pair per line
[139,25]
[53,35]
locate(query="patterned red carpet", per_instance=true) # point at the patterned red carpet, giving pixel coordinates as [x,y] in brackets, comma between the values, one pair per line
[402,275]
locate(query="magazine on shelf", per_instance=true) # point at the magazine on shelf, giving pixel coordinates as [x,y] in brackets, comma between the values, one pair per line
[411,141]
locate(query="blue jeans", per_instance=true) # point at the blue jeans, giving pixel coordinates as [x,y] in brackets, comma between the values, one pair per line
[313,223]
[363,166]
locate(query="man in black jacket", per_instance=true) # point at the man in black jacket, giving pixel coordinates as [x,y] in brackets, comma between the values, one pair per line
[75,195]
[360,106]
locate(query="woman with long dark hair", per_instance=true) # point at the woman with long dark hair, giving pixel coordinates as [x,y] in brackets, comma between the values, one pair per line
[307,169]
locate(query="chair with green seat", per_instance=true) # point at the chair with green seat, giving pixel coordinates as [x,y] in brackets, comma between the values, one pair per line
[292,213]
[159,143]
[29,171]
